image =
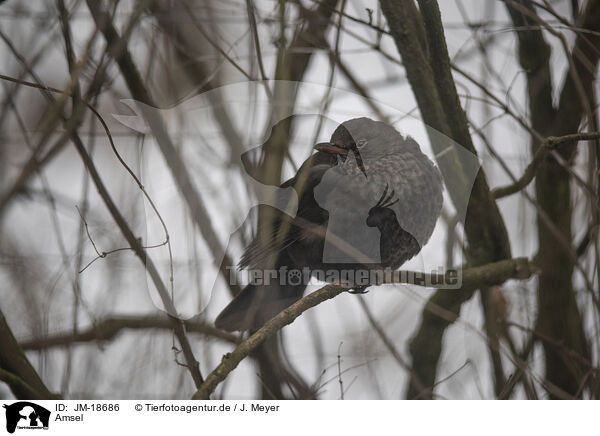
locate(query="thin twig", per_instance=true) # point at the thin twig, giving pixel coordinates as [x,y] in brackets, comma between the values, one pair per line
[546,146]
[339,367]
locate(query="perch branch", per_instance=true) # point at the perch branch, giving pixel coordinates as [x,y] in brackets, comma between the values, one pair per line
[486,275]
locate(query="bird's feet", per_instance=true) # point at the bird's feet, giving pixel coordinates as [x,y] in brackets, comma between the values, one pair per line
[359,290]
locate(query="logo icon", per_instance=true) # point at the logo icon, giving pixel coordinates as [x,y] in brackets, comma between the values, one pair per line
[229,162]
[26,415]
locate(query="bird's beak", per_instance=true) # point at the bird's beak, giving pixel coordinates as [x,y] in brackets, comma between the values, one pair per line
[330,148]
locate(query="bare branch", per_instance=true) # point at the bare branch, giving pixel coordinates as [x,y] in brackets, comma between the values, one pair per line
[16,369]
[472,278]
[108,328]
[430,77]
[548,144]
[178,168]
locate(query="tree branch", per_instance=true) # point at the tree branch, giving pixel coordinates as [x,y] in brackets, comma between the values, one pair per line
[20,388]
[585,56]
[136,245]
[178,168]
[550,143]
[134,242]
[558,315]
[107,329]
[487,275]
[431,80]
[17,371]
[534,57]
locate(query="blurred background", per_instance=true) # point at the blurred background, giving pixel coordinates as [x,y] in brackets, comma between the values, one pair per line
[106,219]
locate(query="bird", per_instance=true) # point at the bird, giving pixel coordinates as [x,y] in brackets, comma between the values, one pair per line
[368,198]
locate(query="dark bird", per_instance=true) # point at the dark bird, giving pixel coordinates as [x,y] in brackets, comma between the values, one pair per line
[368,198]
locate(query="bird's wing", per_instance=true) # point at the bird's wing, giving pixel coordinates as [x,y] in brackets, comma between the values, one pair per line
[284,230]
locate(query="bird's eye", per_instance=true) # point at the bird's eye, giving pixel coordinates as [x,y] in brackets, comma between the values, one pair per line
[361,143]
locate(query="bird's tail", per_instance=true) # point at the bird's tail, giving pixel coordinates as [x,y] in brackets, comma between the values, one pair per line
[256,304]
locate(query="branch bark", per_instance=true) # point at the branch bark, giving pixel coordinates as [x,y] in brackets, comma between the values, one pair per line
[431,80]
[107,329]
[472,278]
[178,168]
[559,317]
[549,143]
[192,364]
[17,371]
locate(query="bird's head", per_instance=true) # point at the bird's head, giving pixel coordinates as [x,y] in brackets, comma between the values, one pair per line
[363,137]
